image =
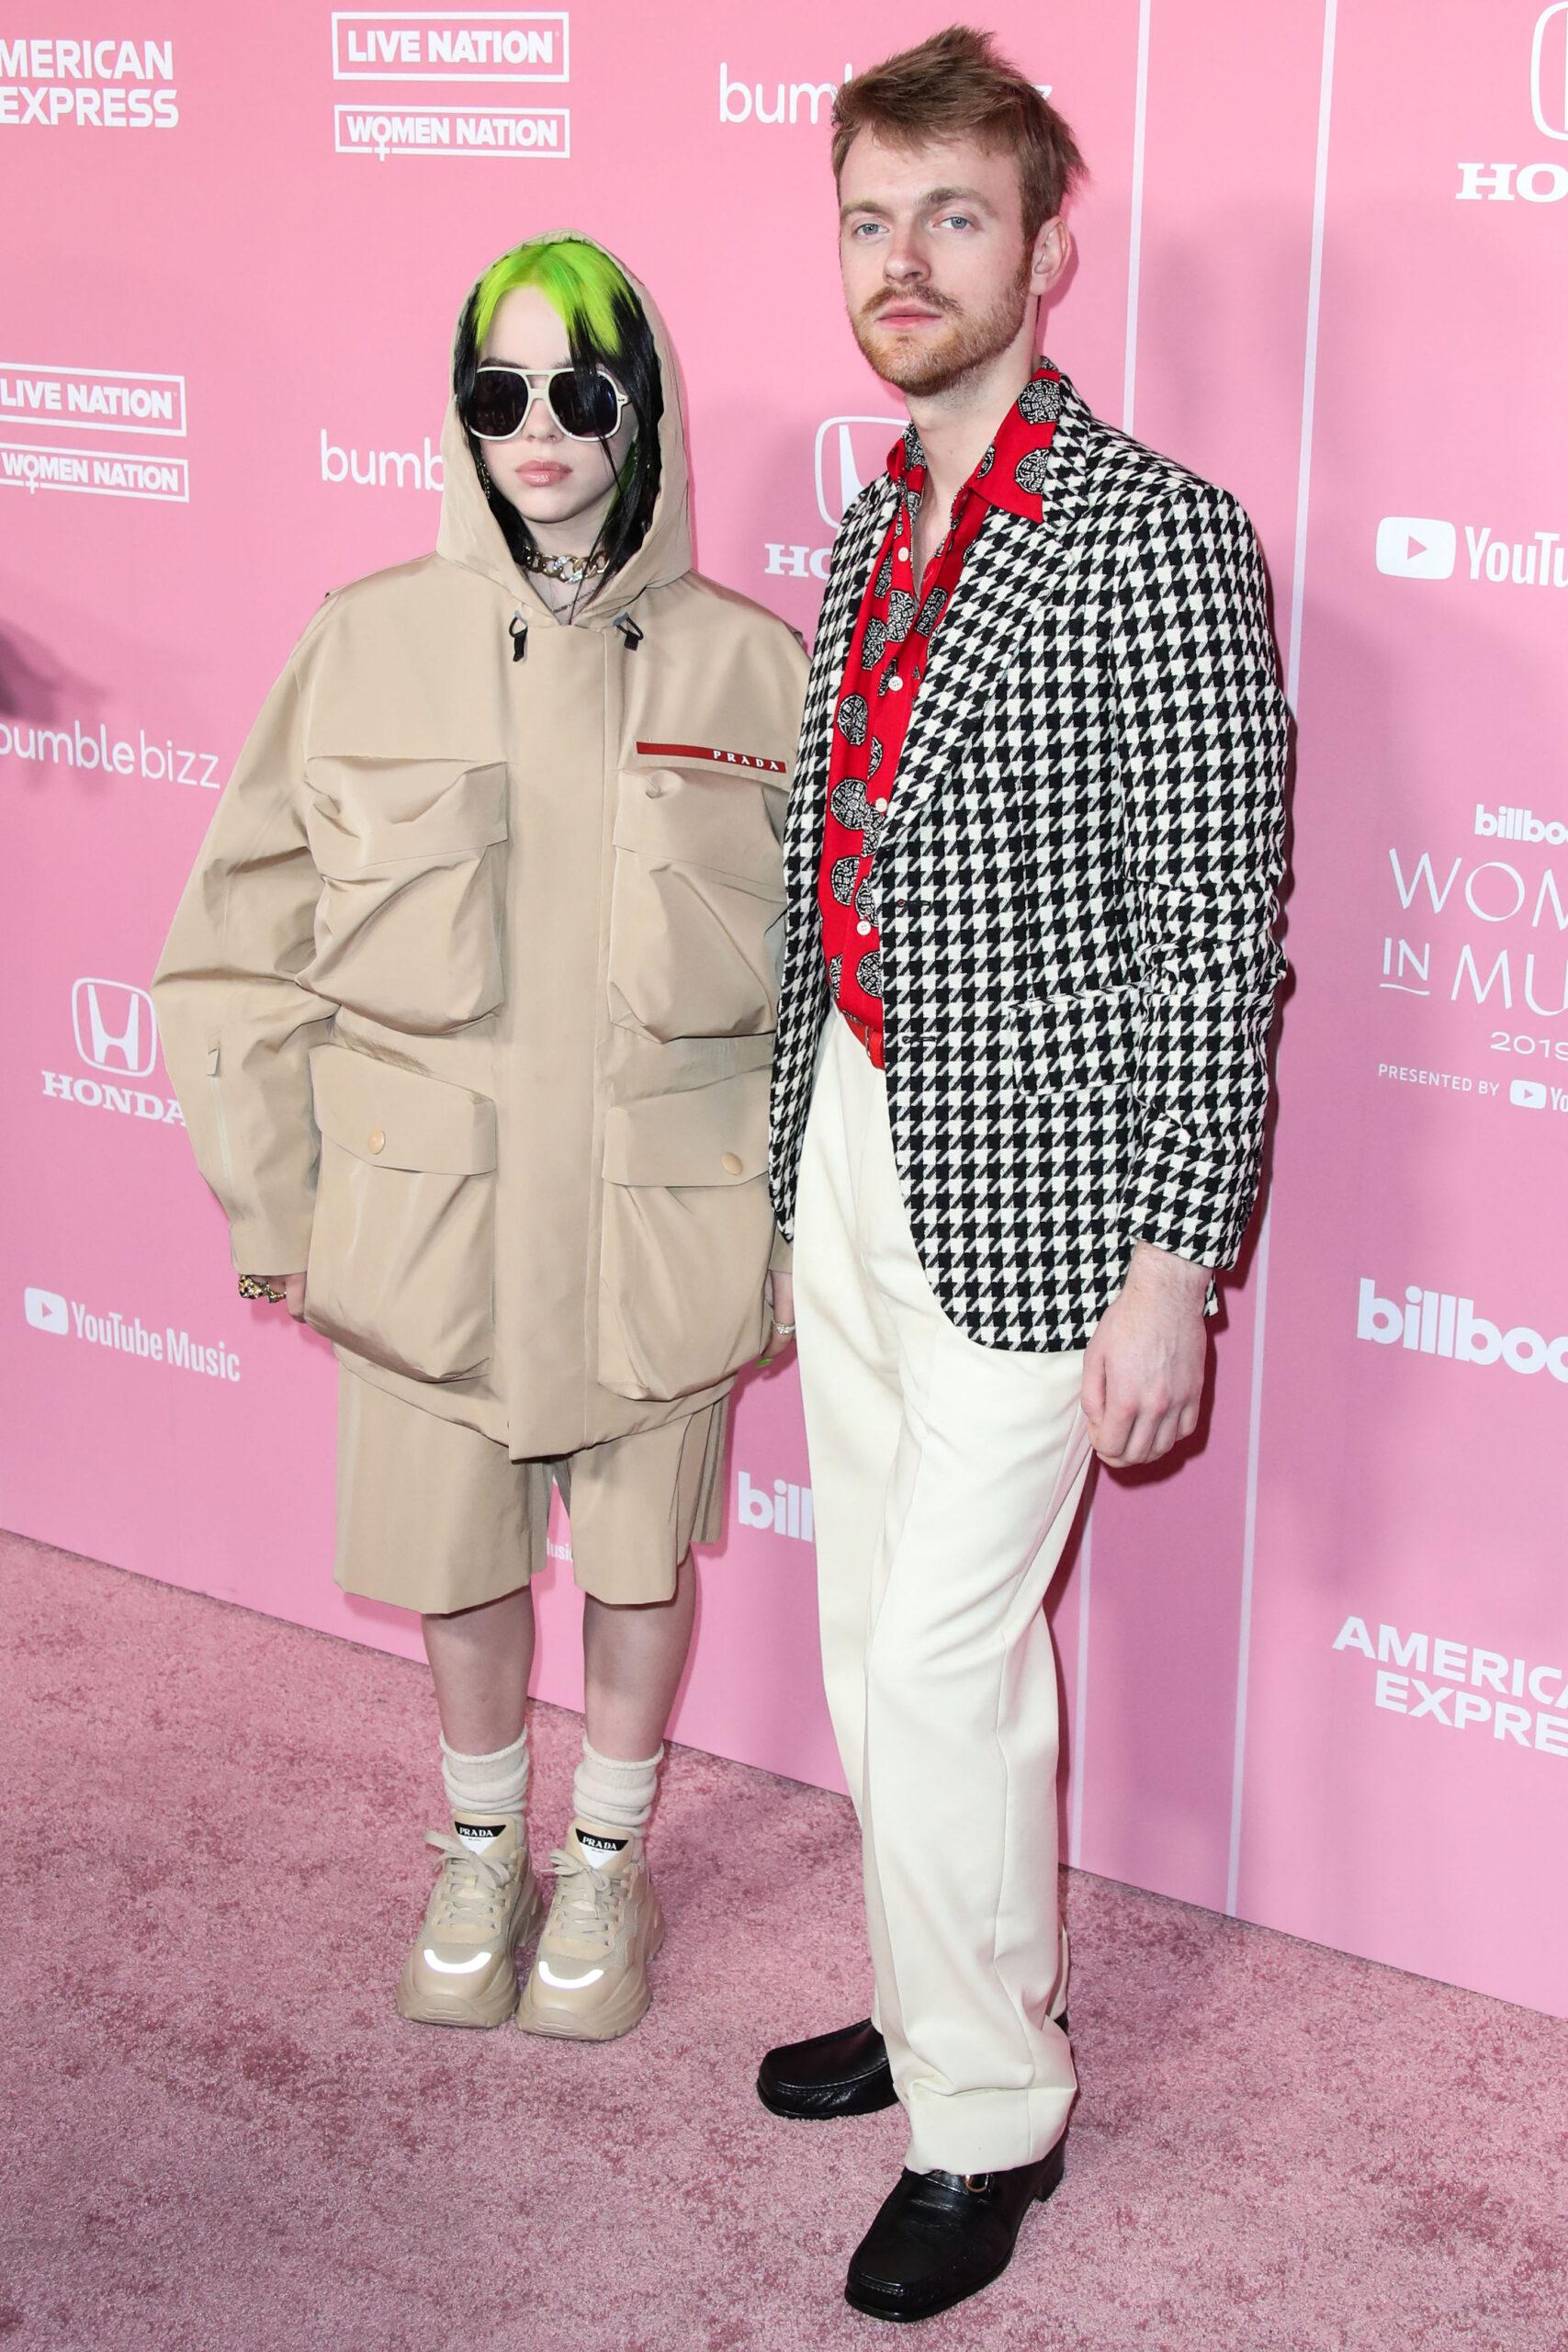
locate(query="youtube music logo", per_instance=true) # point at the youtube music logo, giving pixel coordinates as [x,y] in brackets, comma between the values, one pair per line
[1417,547]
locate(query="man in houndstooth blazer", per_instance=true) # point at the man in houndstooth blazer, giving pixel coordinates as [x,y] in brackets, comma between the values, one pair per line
[1005,1236]
[1096,755]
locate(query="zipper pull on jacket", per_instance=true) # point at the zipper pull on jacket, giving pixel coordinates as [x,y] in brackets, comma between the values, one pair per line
[517,629]
[630,631]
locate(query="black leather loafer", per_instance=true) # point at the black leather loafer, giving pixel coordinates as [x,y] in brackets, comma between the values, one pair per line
[943,2235]
[844,2073]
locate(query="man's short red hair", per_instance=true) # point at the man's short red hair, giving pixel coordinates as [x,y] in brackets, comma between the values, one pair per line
[956,86]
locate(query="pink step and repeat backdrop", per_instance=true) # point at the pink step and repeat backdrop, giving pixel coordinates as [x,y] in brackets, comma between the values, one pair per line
[1317,1674]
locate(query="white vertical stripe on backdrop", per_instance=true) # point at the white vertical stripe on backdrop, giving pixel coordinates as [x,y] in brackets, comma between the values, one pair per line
[1135,220]
[1084,1570]
[1293,678]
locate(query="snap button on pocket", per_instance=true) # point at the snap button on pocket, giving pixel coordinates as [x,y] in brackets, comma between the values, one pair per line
[731,1163]
[377,1140]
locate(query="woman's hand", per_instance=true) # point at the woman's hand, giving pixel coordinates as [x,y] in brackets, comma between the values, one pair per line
[781,1300]
[293,1289]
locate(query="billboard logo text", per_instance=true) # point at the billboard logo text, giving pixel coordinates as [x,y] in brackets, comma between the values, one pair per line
[786,1511]
[1438,1323]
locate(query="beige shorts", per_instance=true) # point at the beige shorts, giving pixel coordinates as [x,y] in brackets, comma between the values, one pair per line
[432,1516]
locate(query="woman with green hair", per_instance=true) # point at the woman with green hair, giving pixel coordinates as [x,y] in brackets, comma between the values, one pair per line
[469,1006]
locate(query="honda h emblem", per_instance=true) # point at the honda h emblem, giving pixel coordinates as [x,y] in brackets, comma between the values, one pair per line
[1549,71]
[116,1026]
[852,451]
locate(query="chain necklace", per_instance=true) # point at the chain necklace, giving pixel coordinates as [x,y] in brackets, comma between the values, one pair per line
[573,569]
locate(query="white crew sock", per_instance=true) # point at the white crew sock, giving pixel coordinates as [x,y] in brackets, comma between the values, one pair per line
[615,1797]
[487,1786]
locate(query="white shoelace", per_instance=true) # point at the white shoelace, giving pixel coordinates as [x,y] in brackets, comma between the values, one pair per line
[587,1903]
[472,1888]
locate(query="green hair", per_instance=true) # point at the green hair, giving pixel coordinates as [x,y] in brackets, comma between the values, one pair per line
[605,324]
[587,291]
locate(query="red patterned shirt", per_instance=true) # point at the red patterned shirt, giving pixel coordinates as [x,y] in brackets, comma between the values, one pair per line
[887,661]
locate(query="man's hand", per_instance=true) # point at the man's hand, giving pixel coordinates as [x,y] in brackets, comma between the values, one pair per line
[1143,1375]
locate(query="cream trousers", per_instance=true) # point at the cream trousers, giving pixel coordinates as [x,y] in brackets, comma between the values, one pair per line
[946,1477]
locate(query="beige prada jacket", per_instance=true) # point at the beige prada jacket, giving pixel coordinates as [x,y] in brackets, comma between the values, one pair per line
[470,1001]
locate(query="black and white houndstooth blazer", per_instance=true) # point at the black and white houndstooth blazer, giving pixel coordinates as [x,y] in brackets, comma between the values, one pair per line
[1075,889]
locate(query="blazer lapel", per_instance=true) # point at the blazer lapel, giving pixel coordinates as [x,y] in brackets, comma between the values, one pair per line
[851,562]
[1005,579]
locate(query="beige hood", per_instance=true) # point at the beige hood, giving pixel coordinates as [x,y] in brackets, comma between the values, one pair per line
[469,534]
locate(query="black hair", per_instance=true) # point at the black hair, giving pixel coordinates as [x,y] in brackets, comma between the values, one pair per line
[634,362]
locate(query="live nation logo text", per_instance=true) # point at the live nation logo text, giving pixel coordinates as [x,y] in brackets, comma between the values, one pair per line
[43,394]
[443,50]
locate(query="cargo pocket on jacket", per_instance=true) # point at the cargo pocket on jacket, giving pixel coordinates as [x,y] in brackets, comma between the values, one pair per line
[401,1264]
[687,1228]
[698,885]
[412,858]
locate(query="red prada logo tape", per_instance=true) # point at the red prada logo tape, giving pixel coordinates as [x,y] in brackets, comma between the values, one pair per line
[707,752]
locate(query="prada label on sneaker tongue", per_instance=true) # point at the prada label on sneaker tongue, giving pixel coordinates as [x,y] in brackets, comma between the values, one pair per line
[599,1850]
[478,1833]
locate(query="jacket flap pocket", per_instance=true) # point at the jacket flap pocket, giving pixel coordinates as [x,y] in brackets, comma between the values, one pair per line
[710,1134]
[1090,1039]
[711,816]
[369,812]
[396,1118]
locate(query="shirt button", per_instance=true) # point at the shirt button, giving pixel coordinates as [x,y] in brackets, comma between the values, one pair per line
[903,555]
[862,928]
[731,1163]
[894,683]
[377,1140]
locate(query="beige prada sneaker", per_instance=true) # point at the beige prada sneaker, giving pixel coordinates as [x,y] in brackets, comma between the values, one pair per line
[485,1902]
[589,1981]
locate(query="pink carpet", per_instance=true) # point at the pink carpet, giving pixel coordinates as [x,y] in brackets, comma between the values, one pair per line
[220,2134]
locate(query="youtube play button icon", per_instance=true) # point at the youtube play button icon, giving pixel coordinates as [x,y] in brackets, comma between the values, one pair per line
[1417,547]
